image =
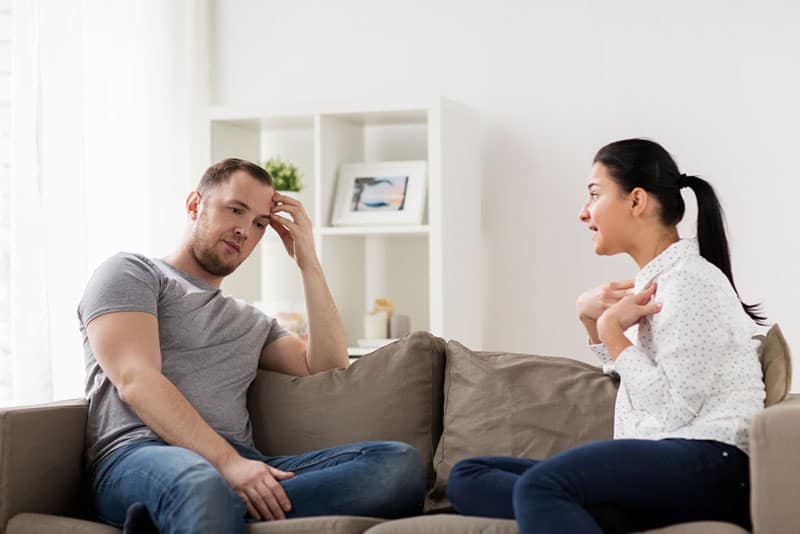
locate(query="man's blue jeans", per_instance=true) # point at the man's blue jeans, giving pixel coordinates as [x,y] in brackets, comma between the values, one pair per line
[625,485]
[184,493]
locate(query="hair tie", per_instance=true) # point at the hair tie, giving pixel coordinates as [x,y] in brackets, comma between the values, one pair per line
[683,181]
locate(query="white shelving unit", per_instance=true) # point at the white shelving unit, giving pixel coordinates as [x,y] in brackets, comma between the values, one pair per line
[430,271]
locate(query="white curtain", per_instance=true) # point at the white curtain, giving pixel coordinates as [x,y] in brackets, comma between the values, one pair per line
[106,100]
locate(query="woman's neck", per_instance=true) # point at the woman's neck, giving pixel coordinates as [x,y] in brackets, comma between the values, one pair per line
[653,246]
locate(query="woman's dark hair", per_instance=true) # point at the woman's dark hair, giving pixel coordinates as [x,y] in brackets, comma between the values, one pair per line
[646,164]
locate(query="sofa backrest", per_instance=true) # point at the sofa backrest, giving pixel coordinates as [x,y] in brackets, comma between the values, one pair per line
[393,394]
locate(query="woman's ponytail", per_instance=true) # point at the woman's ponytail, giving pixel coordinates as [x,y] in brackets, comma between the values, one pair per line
[711,236]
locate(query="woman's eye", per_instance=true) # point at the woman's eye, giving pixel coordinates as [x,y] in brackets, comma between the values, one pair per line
[593,195]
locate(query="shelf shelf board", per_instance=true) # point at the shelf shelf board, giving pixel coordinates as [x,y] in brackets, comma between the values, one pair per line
[374,230]
[357,352]
[299,118]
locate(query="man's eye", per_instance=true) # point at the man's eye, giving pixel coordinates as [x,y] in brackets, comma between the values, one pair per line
[237,211]
[260,226]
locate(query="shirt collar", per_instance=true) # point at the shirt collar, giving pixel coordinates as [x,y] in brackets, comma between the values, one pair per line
[683,248]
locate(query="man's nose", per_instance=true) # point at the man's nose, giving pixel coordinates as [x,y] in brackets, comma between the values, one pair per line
[240,232]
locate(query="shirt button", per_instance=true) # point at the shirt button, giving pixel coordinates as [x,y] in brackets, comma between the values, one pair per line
[725,453]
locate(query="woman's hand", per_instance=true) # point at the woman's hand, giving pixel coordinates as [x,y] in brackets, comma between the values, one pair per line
[592,303]
[628,311]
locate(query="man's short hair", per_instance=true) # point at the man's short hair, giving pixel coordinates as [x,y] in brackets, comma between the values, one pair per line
[220,171]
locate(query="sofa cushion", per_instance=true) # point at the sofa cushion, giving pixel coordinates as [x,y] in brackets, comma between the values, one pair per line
[394,393]
[38,523]
[776,364]
[700,527]
[326,524]
[520,405]
[341,524]
[446,524]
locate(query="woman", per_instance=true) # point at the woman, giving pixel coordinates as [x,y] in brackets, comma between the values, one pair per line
[690,381]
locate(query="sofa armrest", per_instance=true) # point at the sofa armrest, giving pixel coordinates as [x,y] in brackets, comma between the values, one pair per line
[775,467]
[41,459]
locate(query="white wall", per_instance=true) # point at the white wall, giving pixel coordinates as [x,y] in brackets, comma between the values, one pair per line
[716,82]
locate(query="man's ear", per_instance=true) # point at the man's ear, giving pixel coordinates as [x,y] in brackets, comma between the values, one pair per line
[638,198]
[193,204]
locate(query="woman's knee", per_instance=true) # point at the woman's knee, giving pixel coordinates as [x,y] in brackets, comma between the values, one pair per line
[462,481]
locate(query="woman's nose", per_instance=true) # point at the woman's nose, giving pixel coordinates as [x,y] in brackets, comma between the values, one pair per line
[583,215]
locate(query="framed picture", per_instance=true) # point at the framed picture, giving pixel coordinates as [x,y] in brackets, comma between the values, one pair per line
[390,192]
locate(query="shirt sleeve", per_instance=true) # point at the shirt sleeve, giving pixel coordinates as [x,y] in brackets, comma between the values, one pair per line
[669,377]
[601,353]
[276,331]
[124,282]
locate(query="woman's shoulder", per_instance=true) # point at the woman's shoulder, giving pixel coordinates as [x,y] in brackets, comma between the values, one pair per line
[696,275]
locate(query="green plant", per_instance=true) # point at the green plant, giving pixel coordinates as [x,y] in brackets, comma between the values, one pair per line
[285,176]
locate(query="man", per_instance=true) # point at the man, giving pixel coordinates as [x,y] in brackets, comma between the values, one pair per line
[169,360]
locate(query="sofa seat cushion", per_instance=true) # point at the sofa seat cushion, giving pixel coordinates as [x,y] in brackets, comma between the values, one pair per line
[700,527]
[517,405]
[335,524]
[38,523]
[446,524]
[394,394]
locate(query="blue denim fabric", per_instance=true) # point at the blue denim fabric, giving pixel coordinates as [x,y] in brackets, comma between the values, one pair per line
[625,485]
[184,493]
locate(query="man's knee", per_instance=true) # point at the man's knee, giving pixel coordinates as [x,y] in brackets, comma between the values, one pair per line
[399,462]
[399,475]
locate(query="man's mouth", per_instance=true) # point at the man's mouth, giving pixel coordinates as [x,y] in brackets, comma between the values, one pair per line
[233,246]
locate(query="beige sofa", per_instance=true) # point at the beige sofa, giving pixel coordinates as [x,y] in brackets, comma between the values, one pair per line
[447,401]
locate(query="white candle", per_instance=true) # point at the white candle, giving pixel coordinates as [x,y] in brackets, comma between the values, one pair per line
[376,325]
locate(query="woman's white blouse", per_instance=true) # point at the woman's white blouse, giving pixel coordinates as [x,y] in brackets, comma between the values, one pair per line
[693,370]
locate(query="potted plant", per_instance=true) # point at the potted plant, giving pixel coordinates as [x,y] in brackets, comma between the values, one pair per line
[285,176]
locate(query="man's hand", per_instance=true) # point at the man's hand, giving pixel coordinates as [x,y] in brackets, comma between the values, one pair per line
[297,232]
[257,485]
[627,312]
[592,303]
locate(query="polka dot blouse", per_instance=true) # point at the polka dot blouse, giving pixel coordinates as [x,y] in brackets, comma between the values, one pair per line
[693,370]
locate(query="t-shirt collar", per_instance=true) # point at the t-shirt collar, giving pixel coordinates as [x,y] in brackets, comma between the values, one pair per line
[683,248]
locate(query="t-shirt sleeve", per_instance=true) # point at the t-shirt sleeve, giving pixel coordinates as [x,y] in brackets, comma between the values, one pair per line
[276,331]
[124,282]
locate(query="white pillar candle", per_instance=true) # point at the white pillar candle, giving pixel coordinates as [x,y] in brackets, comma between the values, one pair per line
[376,325]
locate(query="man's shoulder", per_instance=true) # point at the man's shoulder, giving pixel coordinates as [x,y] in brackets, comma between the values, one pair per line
[131,259]
[123,264]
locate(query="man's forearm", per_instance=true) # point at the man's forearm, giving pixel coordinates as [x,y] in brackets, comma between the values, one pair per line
[327,343]
[164,409]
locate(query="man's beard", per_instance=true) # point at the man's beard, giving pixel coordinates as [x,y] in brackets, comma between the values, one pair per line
[207,257]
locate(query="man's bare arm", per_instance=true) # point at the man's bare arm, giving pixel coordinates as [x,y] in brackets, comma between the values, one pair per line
[126,346]
[327,343]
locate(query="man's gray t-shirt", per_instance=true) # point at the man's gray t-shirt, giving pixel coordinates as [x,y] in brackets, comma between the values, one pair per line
[210,347]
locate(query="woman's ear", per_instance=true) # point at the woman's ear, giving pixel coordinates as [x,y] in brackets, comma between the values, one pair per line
[639,199]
